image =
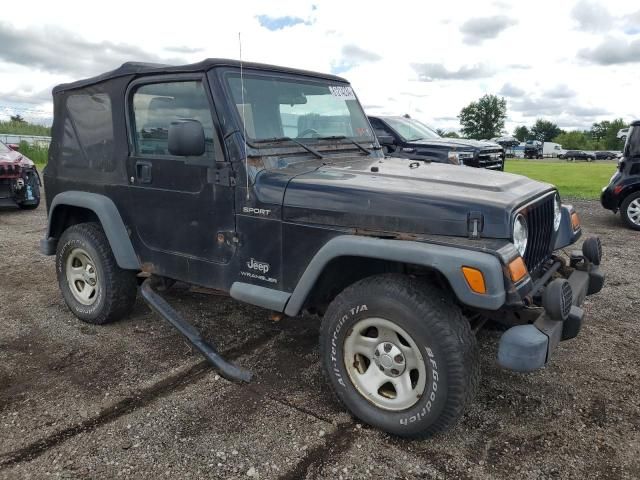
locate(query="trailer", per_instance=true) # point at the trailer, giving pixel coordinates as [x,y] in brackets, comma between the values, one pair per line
[551,149]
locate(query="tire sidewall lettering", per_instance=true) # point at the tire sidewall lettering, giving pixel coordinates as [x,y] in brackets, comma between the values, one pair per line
[336,369]
[424,408]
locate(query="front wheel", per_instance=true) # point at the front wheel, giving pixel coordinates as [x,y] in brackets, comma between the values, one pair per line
[630,210]
[399,355]
[94,288]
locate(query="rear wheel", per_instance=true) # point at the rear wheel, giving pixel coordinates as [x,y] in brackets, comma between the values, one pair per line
[94,288]
[399,355]
[630,210]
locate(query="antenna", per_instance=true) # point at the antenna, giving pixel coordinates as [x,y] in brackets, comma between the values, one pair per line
[244,121]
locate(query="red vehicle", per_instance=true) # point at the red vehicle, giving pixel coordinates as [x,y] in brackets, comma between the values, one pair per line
[19,179]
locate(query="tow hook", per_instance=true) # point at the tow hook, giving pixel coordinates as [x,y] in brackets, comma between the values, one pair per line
[162,308]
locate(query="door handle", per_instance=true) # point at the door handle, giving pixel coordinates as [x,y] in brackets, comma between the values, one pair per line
[143,172]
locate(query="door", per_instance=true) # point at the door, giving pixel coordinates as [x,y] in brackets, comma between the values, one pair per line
[178,215]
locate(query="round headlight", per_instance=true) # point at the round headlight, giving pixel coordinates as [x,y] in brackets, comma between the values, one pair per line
[520,234]
[557,213]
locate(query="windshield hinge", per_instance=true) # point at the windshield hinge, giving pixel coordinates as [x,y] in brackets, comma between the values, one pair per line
[475,224]
[221,174]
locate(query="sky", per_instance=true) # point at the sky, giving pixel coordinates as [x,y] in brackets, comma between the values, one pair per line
[573,62]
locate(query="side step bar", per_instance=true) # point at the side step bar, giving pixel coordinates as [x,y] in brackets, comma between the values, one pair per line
[161,307]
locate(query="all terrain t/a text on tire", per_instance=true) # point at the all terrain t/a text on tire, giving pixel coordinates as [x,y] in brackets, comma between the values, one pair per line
[399,355]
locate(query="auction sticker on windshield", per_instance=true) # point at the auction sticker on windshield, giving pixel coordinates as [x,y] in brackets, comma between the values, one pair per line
[344,92]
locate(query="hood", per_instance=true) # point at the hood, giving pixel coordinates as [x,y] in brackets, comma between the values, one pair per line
[11,157]
[431,198]
[456,143]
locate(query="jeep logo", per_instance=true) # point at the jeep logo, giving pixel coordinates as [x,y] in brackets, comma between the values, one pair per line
[259,266]
[256,211]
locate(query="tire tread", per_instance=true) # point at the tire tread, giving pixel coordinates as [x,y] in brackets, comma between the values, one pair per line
[439,311]
[119,285]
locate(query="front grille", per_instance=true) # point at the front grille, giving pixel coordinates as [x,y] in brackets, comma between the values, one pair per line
[490,159]
[540,222]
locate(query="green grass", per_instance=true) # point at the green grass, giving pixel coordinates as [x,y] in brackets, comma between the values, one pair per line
[24,128]
[574,180]
[39,155]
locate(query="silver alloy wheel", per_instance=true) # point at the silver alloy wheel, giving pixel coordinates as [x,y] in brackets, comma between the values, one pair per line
[82,276]
[385,364]
[633,211]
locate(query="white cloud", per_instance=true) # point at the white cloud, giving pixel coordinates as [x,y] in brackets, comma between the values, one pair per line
[613,50]
[592,16]
[476,30]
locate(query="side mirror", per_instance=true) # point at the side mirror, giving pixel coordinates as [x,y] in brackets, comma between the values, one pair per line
[14,146]
[386,140]
[186,138]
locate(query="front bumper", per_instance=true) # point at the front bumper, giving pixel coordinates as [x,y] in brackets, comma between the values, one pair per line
[525,348]
[608,199]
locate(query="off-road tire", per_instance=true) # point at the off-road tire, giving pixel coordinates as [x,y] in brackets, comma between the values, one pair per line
[624,206]
[439,329]
[116,287]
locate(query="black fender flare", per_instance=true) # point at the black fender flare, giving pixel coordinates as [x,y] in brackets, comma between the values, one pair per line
[110,219]
[445,259]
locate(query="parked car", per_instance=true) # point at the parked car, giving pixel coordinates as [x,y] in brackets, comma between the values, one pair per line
[411,139]
[604,155]
[623,192]
[19,179]
[533,149]
[574,155]
[186,173]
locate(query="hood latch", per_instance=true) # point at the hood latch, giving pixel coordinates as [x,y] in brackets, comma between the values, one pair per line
[475,224]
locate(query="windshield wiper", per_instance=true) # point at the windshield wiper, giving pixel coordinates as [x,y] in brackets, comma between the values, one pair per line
[343,137]
[313,151]
[415,139]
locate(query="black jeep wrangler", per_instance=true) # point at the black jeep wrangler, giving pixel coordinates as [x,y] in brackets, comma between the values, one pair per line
[408,138]
[623,192]
[268,183]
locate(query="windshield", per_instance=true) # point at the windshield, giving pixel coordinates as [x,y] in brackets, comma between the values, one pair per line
[277,106]
[632,147]
[4,148]
[411,129]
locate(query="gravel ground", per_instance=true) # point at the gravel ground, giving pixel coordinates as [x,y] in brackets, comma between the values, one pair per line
[133,399]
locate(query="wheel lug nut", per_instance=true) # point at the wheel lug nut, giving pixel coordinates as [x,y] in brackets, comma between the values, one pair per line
[398,359]
[387,347]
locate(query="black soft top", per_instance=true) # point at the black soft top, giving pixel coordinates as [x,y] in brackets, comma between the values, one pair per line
[140,68]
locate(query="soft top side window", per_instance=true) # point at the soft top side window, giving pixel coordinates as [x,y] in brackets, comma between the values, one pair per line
[157,105]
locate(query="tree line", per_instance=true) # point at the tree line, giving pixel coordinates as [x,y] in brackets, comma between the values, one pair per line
[17,125]
[485,118]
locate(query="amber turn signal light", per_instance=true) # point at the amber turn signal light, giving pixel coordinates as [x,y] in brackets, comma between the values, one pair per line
[517,269]
[575,221]
[475,279]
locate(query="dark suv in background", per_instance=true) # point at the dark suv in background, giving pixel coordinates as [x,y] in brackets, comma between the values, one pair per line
[623,191]
[408,138]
